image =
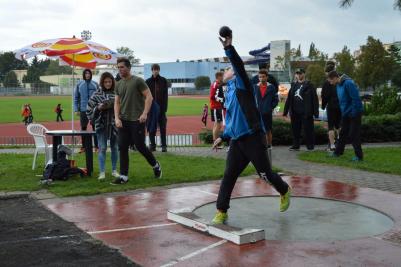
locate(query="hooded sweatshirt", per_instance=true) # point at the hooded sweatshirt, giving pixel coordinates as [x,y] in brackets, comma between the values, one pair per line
[348,97]
[242,117]
[83,92]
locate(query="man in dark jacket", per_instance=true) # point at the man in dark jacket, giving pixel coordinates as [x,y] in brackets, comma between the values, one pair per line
[351,110]
[158,86]
[267,99]
[247,136]
[332,107]
[302,104]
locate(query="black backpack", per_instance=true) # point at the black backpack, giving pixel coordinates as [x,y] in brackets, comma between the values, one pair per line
[60,170]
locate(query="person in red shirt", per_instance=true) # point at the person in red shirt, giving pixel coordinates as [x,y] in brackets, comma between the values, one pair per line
[267,99]
[25,114]
[216,105]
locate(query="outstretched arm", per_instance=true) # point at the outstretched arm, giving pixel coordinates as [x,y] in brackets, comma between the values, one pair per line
[237,63]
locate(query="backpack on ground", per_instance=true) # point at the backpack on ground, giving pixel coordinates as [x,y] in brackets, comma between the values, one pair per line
[61,169]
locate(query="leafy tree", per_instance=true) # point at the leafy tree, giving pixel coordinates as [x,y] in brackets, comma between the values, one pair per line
[395,54]
[8,62]
[35,70]
[396,78]
[315,73]
[374,64]
[280,63]
[54,68]
[202,82]
[298,52]
[348,3]
[313,52]
[127,52]
[384,101]
[395,65]
[11,80]
[345,62]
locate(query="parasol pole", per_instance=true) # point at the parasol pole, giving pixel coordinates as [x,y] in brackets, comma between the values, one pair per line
[72,104]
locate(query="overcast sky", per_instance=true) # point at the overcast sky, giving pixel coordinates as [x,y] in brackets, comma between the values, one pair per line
[166,30]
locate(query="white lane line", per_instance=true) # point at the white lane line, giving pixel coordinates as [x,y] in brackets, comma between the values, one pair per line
[37,239]
[206,192]
[174,262]
[131,228]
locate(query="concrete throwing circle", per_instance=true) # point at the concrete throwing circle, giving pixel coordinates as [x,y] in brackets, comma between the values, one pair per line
[306,219]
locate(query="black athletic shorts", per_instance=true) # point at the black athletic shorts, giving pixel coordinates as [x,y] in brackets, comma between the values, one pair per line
[267,121]
[217,114]
[334,118]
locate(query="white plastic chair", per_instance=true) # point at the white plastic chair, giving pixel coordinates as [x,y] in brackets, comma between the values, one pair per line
[38,132]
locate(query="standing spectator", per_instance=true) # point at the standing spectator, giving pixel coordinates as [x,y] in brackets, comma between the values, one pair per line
[25,113]
[59,110]
[205,114]
[303,104]
[267,99]
[132,104]
[216,105]
[270,78]
[83,92]
[332,107]
[30,116]
[100,110]
[158,86]
[248,141]
[351,111]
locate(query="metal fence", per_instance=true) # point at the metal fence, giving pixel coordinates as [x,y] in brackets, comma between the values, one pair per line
[38,88]
[172,140]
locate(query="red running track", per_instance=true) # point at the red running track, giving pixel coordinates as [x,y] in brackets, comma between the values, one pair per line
[175,125]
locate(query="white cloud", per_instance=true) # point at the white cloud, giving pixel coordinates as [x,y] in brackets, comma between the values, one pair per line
[164,30]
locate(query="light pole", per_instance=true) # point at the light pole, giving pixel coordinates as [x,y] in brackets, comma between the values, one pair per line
[86,35]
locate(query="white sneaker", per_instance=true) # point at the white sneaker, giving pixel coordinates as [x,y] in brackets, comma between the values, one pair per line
[115,174]
[102,175]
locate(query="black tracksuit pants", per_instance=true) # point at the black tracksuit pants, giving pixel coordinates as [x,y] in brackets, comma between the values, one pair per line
[162,122]
[132,132]
[250,148]
[350,132]
[59,117]
[298,122]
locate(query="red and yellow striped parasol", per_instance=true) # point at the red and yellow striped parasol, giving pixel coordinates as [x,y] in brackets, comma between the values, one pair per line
[71,51]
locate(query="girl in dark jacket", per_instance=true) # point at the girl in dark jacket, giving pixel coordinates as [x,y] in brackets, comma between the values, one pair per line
[100,111]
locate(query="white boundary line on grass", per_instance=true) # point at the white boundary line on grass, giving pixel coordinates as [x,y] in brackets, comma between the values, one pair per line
[193,254]
[131,228]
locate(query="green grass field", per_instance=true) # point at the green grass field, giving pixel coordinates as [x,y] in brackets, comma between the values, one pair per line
[43,107]
[16,174]
[383,159]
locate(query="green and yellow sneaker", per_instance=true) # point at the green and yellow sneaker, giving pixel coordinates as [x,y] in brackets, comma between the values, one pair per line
[220,217]
[285,200]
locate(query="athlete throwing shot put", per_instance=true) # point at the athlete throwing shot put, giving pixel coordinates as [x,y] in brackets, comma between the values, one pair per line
[245,130]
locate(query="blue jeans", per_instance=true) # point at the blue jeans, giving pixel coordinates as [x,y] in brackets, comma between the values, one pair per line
[102,141]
